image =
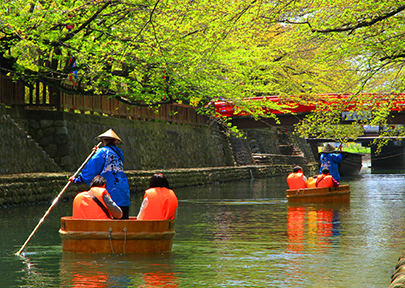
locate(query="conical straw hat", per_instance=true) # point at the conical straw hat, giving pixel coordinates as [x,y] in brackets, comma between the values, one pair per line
[109,134]
[328,149]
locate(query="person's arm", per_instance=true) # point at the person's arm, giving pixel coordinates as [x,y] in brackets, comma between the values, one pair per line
[77,180]
[337,157]
[94,167]
[115,211]
[335,183]
[143,206]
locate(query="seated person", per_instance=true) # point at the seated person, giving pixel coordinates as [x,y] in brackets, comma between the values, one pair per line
[325,180]
[311,183]
[159,202]
[95,203]
[296,180]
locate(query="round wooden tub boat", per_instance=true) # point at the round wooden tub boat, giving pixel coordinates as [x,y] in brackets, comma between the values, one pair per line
[116,236]
[330,194]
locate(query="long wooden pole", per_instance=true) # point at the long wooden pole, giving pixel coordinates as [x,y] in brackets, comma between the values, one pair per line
[56,200]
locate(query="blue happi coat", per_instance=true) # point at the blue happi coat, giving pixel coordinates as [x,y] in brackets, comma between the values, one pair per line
[108,162]
[330,161]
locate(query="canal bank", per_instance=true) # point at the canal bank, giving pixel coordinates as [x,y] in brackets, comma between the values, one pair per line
[31,188]
[34,141]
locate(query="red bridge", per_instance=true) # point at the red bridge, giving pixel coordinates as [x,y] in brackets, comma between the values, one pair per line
[290,110]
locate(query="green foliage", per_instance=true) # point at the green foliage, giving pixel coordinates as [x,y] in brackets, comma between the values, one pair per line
[356,148]
[147,52]
[155,51]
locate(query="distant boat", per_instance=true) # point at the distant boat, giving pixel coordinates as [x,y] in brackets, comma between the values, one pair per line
[330,194]
[351,165]
[116,236]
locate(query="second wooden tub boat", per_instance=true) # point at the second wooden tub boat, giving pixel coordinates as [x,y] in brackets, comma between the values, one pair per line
[116,236]
[330,194]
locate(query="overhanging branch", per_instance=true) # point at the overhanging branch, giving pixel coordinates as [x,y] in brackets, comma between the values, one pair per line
[366,23]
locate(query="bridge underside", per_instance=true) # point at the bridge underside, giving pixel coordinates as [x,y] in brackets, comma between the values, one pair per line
[392,156]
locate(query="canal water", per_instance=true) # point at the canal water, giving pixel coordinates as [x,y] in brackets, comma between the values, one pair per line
[242,234]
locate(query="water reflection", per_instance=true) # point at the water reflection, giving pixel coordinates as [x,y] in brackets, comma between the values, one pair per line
[89,270]
[313,227]
[159,279]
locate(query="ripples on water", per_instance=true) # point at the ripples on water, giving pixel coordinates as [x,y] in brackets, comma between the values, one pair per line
[242,234]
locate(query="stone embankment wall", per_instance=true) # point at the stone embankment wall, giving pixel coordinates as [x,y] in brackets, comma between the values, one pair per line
[45,141]
[68,139]
[19,153]
[30,188]
[271,146]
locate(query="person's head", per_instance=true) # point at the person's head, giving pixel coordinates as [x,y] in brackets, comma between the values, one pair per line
[158,180]
[109,137]
[297,169]
[109,141]
[328,149]
[98,181]
[325,171]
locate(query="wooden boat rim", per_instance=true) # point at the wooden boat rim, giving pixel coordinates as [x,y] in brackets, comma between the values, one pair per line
[319,195]
[339,188]
[116,235]
[131,219]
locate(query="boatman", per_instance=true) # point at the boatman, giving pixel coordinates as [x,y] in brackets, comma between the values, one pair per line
[296,180]
[330,160]
[95,203]
[325,180]
[108,162]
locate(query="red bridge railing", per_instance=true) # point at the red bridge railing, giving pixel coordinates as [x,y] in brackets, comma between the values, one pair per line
[228,109]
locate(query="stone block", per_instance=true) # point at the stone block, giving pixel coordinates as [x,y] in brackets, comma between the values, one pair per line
[51,150]
[60,123]
[44,142]
[34,124]
[61,130]
[66,161]
[46,123]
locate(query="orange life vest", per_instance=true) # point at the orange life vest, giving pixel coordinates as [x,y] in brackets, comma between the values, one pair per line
[311,183]
[295,181]
[84,207]
[323,181]
[161,204]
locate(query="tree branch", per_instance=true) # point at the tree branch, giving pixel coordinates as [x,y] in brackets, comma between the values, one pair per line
[362,24]
[392,57]
[84,25]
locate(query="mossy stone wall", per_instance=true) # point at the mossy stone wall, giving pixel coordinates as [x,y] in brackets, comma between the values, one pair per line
[69,137]
[31,188]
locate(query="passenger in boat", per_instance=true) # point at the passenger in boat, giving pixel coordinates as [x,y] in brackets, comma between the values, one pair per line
[325,180]
[108,161]
[296,179]
[311,183]
[330,160]
[95,203]
[159,201]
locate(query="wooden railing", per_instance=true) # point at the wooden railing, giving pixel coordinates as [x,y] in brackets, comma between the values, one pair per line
[40,96]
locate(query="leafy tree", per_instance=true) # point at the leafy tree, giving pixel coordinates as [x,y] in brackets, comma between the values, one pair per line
[368,34]
[149,52]
[146,52]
